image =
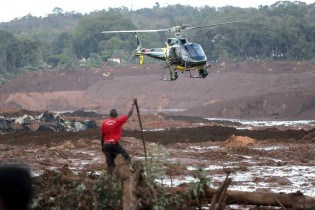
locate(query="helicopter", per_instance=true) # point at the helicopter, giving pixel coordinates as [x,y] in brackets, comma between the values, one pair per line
[179,54]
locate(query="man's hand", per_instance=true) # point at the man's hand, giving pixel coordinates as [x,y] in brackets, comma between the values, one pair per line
[132,108]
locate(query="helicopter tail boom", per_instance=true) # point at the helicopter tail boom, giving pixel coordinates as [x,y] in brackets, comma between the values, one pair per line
[158,53]
[137,51]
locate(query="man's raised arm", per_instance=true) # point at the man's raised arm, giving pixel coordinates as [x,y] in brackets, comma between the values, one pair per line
[132,108]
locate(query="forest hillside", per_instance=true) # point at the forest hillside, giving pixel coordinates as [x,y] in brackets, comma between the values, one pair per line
[284,31]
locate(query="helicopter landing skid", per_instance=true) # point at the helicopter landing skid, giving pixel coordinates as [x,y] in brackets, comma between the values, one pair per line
[203,73]
[192,76]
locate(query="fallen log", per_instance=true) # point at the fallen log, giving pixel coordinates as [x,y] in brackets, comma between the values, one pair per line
[292,200]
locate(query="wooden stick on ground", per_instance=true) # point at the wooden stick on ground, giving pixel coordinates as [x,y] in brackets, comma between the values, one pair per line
[223,193]
[220,194]
[280,204]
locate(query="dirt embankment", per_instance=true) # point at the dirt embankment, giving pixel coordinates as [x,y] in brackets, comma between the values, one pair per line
[231,90]
[169,136]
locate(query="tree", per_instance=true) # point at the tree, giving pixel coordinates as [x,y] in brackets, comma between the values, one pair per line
[61,42]
[87,35]
[22,53]
[5,38]
[57,10]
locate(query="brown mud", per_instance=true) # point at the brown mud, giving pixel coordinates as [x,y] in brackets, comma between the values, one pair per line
[278,161]
[281,159]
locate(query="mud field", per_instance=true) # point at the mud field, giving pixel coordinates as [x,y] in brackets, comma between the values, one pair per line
[185,124]
[273,159]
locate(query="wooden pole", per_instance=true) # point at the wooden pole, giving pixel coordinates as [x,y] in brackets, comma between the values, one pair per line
[142,135]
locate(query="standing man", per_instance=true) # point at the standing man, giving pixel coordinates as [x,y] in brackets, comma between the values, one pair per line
[111,131]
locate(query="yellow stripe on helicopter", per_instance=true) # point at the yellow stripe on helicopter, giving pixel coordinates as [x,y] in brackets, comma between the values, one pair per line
[141,58]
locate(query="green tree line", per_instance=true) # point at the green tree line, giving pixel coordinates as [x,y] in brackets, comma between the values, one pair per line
[282,31]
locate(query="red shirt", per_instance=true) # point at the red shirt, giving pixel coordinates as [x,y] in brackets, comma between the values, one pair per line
[112,128]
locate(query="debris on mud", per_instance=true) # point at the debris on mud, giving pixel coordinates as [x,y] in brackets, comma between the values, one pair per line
[46,121]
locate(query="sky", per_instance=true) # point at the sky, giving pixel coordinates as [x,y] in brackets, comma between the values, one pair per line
[11,9]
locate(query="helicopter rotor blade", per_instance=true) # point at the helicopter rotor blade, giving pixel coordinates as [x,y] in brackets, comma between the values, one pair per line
[176,29]
[211,25]
[137,31]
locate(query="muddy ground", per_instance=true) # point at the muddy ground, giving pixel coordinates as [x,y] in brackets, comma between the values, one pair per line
[274,160]
[178,137]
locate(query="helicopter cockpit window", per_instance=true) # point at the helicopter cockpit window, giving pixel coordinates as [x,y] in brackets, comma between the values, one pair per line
[195,50]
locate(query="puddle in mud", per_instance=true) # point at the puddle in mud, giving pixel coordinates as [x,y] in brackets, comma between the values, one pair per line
[259,173]
[249,124]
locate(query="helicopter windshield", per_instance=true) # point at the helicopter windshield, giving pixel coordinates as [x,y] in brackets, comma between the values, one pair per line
[195,50]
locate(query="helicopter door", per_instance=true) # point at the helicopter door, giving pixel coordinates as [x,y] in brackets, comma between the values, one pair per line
[178,53]
[185,54]
[175,54]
